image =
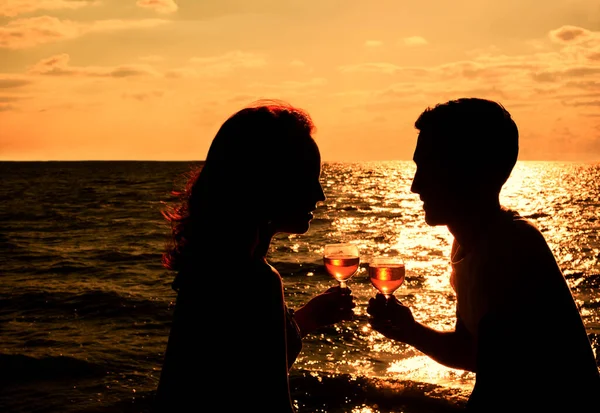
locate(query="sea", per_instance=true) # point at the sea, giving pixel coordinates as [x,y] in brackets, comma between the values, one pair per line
[86,307]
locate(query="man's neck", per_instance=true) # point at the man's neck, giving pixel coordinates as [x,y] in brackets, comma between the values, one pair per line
[468,228]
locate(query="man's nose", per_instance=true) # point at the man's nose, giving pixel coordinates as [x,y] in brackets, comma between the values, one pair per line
[414,187]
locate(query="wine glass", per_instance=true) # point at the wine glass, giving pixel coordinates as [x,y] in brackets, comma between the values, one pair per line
[386,274]
[341,261]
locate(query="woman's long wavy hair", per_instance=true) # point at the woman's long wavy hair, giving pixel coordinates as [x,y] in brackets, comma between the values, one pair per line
[230,190]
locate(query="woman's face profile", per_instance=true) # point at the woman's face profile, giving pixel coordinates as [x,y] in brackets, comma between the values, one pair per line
[297,192]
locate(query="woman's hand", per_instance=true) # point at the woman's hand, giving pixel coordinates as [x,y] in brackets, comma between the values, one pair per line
[330,307]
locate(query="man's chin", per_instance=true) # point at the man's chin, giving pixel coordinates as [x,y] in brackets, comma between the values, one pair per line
[433,220]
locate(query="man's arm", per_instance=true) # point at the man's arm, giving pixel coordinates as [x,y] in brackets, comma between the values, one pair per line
[454,349]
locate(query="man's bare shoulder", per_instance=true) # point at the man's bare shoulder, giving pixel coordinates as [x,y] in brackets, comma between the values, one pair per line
[517,253]
[517,233]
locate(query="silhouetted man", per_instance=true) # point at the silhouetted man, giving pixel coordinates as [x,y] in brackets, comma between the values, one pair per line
[517,325]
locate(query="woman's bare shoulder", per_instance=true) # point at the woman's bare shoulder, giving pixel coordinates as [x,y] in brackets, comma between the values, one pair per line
[266,275]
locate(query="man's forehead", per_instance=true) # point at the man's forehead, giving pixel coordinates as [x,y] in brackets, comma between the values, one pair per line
[436,144]
[429,146]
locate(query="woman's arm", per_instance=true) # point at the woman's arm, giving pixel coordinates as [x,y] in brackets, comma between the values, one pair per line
[330,307]
[267,351]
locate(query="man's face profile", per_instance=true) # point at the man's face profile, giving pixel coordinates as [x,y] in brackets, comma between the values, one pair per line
[437,179]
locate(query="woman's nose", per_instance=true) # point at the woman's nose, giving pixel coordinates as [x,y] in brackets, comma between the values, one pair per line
[321,194]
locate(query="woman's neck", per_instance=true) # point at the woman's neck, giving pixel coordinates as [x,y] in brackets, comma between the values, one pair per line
[262,243]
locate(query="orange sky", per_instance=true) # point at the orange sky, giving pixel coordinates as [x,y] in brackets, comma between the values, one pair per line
[154,79]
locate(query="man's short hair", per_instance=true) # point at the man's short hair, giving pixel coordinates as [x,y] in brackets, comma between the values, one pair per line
[478,134]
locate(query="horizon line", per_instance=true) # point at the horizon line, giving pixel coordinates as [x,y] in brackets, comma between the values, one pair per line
[324,161]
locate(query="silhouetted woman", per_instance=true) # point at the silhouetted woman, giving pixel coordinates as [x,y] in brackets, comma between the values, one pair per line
[233,339]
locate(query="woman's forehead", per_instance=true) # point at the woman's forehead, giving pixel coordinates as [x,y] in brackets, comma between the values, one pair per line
[307,162]
[307,151]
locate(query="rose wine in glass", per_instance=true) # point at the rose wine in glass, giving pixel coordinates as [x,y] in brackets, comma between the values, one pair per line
[387,274]
[341,261]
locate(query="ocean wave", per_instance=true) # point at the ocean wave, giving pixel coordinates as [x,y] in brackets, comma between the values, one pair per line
[19,368]
[589,281]
[111,256]
[340,393]
[316,392]
[89,304]
[289,269]
[64,267]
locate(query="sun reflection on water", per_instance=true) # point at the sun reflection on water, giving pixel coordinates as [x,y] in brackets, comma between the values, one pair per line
[421,368]
[370,204]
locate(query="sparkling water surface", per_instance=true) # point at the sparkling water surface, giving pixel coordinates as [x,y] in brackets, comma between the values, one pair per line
[86,306]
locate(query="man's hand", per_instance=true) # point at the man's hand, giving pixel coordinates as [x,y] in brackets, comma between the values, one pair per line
[391,318]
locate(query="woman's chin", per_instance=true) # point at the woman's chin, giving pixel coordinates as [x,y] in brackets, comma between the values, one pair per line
[298,224]
[298,228]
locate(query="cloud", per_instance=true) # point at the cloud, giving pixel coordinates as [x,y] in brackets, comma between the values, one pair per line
[228,62]
[538,76]
[593,103]
[297,63]
[152,58]
[373,43]
[575,71]
[221,65]
[160,6]
[374,67]
[414,41]
[485,68]
[243,99]
[33,31]
[570,35]
[300,64]
[8,99]
[381,67]
[587,85]
[288,88]
[9,83]
[293,84]
[7,102]
[116,25]
[13,8]
[594,56]
[491,50]
[180,73]
[58,65]
[565,77]
[141,96]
